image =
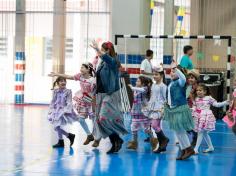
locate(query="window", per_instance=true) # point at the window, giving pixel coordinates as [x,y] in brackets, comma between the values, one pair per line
[3,47]
[48,48]
[69,48]
[85,20]
[157,28]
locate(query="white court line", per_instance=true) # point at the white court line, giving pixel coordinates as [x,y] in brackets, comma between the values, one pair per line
[33,163]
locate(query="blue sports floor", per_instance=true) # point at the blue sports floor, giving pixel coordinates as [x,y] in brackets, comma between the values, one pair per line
[25,150]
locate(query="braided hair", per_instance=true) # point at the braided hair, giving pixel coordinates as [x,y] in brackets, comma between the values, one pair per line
[56,82]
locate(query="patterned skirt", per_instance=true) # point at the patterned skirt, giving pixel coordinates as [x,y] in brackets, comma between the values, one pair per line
[204,120]
[83,109]
[59,118]
[109,118]
[140,123]
[156,110]
[179,118]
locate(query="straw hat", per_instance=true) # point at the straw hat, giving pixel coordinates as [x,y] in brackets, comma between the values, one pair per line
[194,72]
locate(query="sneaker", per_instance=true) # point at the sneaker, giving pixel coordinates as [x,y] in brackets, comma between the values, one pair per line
[209,150]
[147,139]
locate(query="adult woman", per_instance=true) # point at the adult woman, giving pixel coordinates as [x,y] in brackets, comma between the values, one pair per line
[109,122]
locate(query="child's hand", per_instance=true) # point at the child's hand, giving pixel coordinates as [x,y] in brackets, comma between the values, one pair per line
[173,64]
[227,102]
[52,74]
[230,116]
[130,85]
[228,113]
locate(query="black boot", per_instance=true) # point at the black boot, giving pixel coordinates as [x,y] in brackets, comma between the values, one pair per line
[118,142]
[194,141]
[188,152]
[147,140]
[163,142]
[71,137]
[182,152]
[60,144]
[89,139]
[113,147]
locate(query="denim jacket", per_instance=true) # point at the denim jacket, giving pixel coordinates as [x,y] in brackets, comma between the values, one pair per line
[178,94]
[109,74]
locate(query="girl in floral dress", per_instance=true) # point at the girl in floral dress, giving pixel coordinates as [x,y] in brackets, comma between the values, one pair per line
[203,116]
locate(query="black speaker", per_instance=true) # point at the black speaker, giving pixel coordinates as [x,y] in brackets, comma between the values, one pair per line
[215,82]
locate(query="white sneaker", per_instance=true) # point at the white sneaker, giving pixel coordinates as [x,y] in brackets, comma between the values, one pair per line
[208,150]
[196,152]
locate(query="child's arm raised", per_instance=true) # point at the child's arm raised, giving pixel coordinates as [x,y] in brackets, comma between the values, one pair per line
[182,78]
[138,89]
[52,74]
[218,104]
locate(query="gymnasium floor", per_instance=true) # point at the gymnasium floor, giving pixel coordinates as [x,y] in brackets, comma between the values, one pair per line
[25,150]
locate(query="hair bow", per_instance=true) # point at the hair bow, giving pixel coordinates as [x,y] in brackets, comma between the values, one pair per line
[109,45]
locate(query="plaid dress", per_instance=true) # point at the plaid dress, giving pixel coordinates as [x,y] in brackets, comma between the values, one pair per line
[84,108]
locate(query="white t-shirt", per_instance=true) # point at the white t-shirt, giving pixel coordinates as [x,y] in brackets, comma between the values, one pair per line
[146,66]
